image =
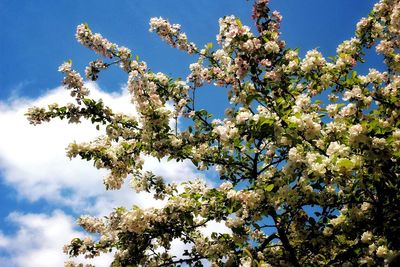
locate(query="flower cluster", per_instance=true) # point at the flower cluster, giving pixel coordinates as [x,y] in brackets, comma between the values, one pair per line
[172,34]
[91,71]
[73,81]
[94,41]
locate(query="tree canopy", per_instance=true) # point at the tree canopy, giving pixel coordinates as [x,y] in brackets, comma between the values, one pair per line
[308,151]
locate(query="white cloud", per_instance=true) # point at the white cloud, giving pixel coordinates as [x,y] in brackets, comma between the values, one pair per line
[33,161]
[214,226]
[39,239]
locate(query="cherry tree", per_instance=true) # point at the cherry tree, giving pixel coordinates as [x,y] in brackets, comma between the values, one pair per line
[308,152]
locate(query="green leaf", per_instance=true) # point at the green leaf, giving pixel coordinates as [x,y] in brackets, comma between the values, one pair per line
[341,238]
[266,121]
[269,187]
[345,163]
[135,207]
[87,101]
[245,250]
[209,45]
[239,23]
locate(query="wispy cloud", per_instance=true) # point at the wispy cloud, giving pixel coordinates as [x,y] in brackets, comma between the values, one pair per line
[39,239]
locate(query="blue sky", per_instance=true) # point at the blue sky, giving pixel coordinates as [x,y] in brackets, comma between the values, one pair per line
[37,183]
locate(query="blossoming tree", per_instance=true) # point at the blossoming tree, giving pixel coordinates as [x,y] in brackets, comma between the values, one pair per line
[308,151]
